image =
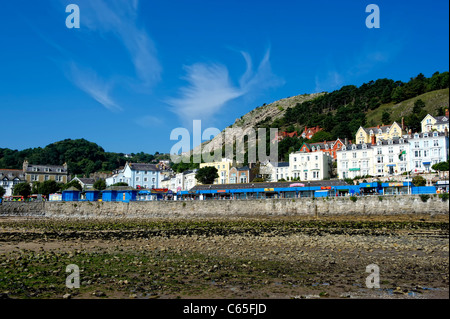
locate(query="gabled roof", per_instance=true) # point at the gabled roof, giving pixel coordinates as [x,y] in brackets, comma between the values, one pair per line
[441,120]
[143,167]
[41,168]
[88,181]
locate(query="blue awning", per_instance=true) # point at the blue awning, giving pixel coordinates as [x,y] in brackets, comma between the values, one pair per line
[426,163]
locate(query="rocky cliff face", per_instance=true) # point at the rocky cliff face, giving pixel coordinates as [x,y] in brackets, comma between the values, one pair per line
[250,121]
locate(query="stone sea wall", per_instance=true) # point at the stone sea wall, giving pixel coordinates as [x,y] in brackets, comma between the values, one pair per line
[373,205]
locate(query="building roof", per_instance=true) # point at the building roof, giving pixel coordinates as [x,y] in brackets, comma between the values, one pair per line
[430,134]
[12,174]
[280,164]
[86,181]
[349,147]
[41,168]
[119,188]
[143,167]
[441,120]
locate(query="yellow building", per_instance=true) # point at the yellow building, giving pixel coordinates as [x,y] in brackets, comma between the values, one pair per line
[431,123]
[383,132]
[223,169]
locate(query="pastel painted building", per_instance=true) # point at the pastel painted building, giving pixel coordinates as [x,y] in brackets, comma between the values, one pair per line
[274,171]
[391,157]
[239,175]
[383,132]
[223,169]
[310,166]
[138,175]
[435,123]
[330,147]
[355,160]
[427,149]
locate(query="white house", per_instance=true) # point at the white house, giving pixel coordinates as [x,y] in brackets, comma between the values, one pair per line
[309,166]
[9,178]
[189,180]
[391,157]
[427,149]
[355,160]
[138,175]
[274,171]
[435,123]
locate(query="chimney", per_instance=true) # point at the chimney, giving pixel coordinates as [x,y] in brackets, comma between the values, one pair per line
[403,124]
[346,141]
[373,140]
[446,113]
[446,132]
[378,126]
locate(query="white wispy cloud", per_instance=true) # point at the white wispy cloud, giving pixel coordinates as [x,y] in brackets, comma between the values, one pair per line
[209,87]
[89,82]
[120,17]
[99,20]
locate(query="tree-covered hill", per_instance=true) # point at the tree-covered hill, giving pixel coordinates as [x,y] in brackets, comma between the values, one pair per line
[81,156]
[343,111]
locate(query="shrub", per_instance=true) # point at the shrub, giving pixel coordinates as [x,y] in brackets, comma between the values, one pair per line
[353,198]
[380,198]
[444,197]
[424,197]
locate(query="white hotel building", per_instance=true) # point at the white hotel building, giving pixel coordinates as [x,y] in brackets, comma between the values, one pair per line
[310,166]
[138,175]
[355,160]
[427,149]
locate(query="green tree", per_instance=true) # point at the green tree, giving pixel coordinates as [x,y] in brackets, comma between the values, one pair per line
[100,184]
[320,137]
[418,106]
[120,184]
[22,189]
[2,192]
[419,181]
[441,167]
[207,175]
[46,188]
[386,117]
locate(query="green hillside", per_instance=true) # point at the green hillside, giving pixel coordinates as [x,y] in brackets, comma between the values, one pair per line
[435,103]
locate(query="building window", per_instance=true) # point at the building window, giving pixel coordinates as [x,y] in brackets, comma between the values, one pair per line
[435,143]
[46,178]
[379,151]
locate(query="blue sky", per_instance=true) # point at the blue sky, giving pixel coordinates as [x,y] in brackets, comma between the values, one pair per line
[136,70]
